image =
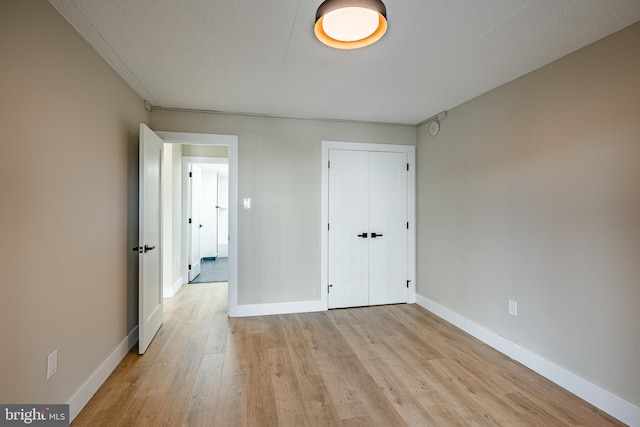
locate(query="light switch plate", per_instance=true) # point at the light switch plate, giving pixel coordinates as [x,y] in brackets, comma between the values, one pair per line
[513,307]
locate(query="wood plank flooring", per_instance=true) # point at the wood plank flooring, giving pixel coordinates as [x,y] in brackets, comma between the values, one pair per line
[393,365]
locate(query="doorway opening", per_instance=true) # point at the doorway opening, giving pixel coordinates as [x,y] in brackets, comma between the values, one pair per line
[216,155]
[207,211]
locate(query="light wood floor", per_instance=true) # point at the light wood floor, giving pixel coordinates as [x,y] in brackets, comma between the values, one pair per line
[378,366]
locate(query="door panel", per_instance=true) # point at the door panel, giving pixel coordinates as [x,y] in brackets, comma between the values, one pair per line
[149,282]
[212,235]
[388,217]
[196,190]
[348,253]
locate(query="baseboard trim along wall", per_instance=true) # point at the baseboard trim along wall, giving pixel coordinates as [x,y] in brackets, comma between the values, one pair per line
[246,310]
[89,388]
[597,396]
[173,290]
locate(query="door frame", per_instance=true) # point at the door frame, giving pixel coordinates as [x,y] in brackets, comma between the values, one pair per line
[410,150]
[230,141]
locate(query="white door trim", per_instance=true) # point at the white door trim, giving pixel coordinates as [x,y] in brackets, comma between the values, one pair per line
[324,215]
[230,141]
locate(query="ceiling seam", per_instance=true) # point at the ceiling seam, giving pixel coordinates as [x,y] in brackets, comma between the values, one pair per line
[286,52]
[500,23]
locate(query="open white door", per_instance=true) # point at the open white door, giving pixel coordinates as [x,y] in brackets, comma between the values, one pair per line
[195,178]
[149,281]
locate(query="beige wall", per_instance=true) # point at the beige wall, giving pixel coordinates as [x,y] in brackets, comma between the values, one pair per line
[68,210]
[280,170]
[532,192]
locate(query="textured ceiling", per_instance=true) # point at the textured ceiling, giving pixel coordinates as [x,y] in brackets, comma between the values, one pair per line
[261,57]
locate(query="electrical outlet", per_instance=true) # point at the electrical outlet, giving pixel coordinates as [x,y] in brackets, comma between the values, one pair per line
[52,364]
[513,307]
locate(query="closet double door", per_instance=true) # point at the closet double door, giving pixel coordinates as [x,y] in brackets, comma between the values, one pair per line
[367,232]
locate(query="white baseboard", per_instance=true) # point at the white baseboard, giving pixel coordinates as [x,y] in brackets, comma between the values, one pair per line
[276,308]
[171,291]
[100,375]
[597,396]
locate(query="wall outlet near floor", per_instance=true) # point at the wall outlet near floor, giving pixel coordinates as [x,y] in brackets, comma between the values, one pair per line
[52,364]
[513,307]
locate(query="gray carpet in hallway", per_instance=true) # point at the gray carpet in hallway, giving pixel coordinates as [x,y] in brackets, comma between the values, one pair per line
[213,271]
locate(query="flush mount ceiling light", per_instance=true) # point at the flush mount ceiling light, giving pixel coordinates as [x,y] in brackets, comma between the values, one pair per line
[350,24]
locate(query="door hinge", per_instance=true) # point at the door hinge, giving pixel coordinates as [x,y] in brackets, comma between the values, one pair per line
[189,266]
[328,227]
[190,174]
[189,220]
[407,225]
[407,166]
[329,164]
[408,281]
[329,286]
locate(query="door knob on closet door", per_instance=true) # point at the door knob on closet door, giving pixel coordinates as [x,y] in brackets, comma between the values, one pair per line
[374,235]
[148,248]
[363,235]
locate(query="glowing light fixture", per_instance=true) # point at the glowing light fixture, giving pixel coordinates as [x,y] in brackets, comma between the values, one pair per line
[350,24]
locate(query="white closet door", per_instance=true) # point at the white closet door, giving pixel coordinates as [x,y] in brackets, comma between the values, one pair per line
[196,191]
[367,238]
[388,228]
[348,218]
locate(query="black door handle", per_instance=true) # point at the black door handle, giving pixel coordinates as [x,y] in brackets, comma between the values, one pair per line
[363,235]
[137,249]
[148,248]
[374,235]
